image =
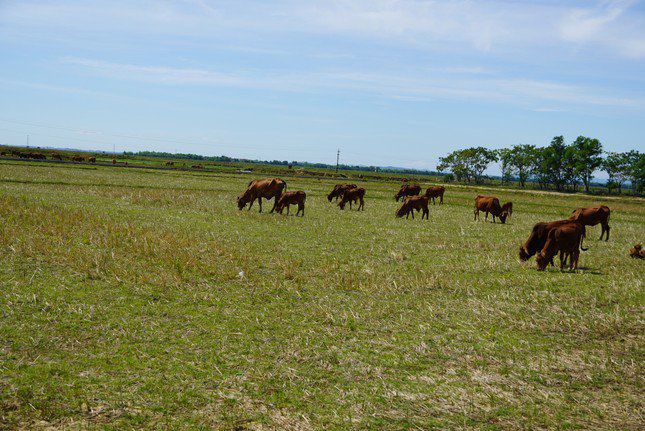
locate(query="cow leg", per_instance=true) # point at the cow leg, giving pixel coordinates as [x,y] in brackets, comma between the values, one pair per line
[362,205]
[575,257]
[426,212]
[412,214]
[605,231]
[288,206]
[275,204]
[251,204]
[562,260]
[476,214]
[260,203]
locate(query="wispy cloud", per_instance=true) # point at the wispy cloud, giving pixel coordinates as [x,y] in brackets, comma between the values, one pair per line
[441,84]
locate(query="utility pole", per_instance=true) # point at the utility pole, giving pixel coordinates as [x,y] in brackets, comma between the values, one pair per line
[337,159]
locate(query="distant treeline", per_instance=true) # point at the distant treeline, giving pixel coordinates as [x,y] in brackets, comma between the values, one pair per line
[559,166]
[226,159]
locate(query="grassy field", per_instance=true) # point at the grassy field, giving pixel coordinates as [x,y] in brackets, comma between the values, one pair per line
[143,299]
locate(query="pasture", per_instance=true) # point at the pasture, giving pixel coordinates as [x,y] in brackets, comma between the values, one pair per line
[143,299]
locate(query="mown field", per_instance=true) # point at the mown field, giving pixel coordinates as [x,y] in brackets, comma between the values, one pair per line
[143,299]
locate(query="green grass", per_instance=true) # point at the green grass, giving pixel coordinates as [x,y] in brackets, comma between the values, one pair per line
[121,307]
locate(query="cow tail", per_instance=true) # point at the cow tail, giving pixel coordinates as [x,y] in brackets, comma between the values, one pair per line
[582,237]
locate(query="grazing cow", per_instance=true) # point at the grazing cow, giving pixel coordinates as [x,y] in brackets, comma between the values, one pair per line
[489,204]
[197,167]
[57,156]
[411,203]
[637,252]
[566,239]
[114,161]
[170,163]
[92,160]
[538,237]
[353,195]
[593,216]
[434,192]
[338,191]
[407,190]
[257,189]
[78,158]
[292,198]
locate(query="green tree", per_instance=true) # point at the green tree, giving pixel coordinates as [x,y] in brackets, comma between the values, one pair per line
[587,158]
[554,162]
[617,167]
[504,156]
[636,170]
[469,163]
[521,162]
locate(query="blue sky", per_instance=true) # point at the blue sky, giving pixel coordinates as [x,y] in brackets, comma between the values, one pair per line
[388,82]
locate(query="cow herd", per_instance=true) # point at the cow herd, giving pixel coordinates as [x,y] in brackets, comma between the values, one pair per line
[546,240]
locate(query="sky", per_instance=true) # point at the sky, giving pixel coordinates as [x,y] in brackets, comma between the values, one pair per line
[389,83]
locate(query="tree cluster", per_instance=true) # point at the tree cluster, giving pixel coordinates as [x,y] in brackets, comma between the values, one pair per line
[558,166]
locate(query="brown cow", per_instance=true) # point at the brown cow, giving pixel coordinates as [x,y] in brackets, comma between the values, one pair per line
[637,252]
[435,192]
[593,216]
[257,189]
[114,161]
[538,237]
[57,156]
[567,239]
[407,190]
[170,163]
[78,158]
[489,204]
[292,198]
[411,203]
[197,167]
[338,191]
[353,195]
[92,160]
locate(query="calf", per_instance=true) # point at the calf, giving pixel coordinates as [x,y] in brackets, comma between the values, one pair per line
[292,198]
[566,239]
[434,192]
[593,216]
[407,190]
[270,188]
[538,237]
[353,195]
[637,252]
[489,204]
[338,191]
[411,203]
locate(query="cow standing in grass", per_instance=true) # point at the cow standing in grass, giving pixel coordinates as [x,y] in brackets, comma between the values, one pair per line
[490,204]
[292,198]
[338,191]
[538,238]
[270,188]
[353,195]
[407,190]
[412,203]
[434,192]
[593,216]
[566,239]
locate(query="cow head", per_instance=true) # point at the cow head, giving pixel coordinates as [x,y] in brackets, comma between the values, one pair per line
[541,261]
[503,215]
[524,255]
[241,202]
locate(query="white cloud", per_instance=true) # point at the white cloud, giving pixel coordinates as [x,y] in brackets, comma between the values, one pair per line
[410,86]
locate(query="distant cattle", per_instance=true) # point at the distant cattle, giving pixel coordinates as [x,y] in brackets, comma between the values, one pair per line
[566,239]
[57,156]
[538,237]
[78,158]
[407,190]
[292,198]
[489,204]
[412,203]
[92,160]
[434,192]
[353,195]
[637,252]
[593,216]
[338,191]
[270,188]
[170,163]
[114,161]
[197,167]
